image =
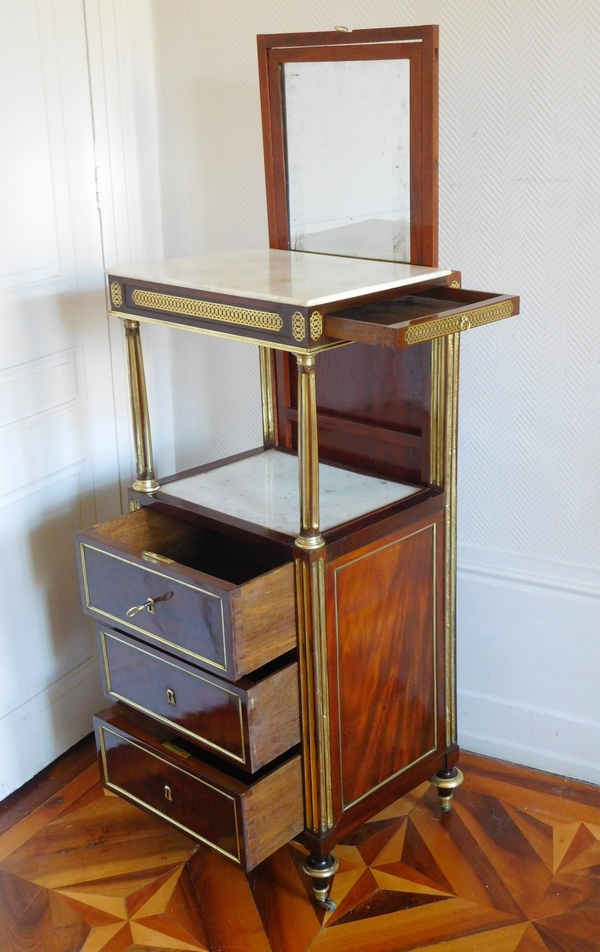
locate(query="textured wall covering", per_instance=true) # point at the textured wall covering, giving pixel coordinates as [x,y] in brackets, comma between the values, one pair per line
[520,212]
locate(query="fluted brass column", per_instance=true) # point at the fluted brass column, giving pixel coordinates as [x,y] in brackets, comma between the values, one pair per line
[450,474]
[308,455]
[266,391]
[146,481]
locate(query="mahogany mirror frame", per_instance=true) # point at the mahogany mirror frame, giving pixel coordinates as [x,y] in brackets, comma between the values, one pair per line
[417,44]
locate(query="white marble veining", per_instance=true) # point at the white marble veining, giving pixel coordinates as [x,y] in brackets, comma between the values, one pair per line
[285,277]
[263,489]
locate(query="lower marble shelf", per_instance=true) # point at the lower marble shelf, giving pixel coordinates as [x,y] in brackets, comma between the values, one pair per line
[263,489]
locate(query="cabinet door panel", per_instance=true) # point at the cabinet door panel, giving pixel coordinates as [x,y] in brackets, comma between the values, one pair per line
[387,621]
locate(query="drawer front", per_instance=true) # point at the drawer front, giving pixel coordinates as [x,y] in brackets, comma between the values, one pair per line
[249,723]
[185,617]
[246,818]
[197,807]
[208,711]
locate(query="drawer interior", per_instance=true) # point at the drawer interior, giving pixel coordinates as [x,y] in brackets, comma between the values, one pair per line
[196,546]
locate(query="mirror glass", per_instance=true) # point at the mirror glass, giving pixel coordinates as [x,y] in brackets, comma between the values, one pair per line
[348,157]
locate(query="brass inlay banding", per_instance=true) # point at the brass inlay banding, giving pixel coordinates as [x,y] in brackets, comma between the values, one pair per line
[113,786]
[443,326]
[316,325]
[208,310]
[298,326]
[116,294]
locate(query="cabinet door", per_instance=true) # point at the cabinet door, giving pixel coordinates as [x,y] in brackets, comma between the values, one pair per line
[386,657]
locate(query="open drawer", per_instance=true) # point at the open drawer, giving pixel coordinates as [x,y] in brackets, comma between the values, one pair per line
[245,819]
[414,318]
[205,596]
[249,723]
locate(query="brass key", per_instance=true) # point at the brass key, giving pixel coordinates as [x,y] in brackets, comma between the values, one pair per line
[148,604]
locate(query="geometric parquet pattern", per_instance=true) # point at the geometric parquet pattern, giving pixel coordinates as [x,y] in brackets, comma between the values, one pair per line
[514,868]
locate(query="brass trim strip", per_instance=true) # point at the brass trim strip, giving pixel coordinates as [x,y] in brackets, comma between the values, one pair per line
[266,394]
[450,480]
[199,737]
[144,631]
[208,310]
[131,796]
[314,694]
[360,558]
[443,326]
[436,414]
[274,345]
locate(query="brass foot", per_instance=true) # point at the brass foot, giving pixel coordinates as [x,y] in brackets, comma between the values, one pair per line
[322,869]
[446,782]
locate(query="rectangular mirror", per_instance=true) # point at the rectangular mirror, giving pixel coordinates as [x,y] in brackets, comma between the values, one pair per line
[348,157]
[350,138]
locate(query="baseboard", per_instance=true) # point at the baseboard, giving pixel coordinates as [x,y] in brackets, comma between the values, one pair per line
[42,728]
[529,657]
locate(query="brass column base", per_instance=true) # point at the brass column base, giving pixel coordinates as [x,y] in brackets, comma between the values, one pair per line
[446,782]
[322,869]
[146,485]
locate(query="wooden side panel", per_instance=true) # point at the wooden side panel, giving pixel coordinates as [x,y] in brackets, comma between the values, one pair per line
[263,619]
[274,715]
[386,642]
[273,812]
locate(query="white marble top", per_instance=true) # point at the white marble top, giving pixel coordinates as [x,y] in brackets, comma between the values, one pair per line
[286,277]
[263,489]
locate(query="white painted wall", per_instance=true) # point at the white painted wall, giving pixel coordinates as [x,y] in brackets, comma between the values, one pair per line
[520,212]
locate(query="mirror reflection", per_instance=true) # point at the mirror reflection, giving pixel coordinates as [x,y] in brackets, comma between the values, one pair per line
[348,157]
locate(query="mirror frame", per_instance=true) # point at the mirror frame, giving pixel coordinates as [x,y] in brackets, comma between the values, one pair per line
[417,44]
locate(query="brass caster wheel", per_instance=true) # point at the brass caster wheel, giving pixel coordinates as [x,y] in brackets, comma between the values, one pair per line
[329,904]
[321,870]
[446,782]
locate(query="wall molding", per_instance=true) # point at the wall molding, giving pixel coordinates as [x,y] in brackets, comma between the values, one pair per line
[527,630]
[499,568]
[39,730]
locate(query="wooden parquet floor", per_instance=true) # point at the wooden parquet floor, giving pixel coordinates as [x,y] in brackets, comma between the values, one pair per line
[514,868]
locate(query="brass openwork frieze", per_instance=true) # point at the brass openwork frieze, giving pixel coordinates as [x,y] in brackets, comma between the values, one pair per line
[298,326]
[208,310]
[316,325]
[116,294]
[443,326]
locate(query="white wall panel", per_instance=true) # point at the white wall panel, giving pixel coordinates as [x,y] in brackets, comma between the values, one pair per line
[519,212]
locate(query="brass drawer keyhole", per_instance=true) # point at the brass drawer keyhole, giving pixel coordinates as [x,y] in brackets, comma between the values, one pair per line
[171,696]
[168,793]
